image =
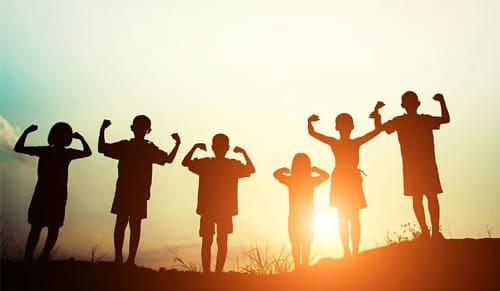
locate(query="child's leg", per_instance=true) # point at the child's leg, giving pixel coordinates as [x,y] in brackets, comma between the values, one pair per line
[33,237]
[418,208]
[135,235]
[355,231]
[120,225]
[306,249]
[221,251]
[52,234]
[433,205]
[344,232]
[296,254]
[206,246]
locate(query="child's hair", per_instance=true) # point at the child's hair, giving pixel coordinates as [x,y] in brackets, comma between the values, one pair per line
[142,122]
[60,134]
[220,143]
[301,164]
[344,121]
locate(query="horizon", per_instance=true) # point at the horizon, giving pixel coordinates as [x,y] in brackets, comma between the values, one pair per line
[254,71]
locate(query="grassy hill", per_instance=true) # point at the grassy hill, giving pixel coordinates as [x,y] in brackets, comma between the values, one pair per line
[456,264]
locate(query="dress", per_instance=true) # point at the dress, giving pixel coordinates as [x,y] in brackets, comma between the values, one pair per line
[47,207]
[346,189]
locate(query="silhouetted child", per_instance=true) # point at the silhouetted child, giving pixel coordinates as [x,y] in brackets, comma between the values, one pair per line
[346,192]
[48,204]
[217,195]
[135,166]
[420,173]
[301,183]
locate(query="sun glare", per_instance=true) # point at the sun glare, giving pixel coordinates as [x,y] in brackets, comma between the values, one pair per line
[326,223]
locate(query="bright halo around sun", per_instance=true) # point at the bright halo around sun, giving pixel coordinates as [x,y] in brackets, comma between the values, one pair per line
[326,223]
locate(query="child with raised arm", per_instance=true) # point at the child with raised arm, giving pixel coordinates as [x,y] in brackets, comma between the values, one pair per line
[346,192]
[217,195]
[47,207]
[135,166]
[420,172]
[301,182]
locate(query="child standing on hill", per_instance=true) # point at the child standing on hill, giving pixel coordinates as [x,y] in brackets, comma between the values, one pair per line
[420,172]
[48,204]
[346,192]
[135,167]
[217,195]
[301,183]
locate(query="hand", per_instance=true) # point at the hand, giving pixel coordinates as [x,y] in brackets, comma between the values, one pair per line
[31,128]
[438,97]
[238,150]
[176,137]
[201,146]
[105,123]
[77,135]
[374,113]
[312,118]
[285,170]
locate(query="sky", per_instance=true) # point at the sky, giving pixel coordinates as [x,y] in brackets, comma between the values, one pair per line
[254,70]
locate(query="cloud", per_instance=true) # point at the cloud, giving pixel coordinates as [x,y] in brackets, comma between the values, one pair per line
[8,138]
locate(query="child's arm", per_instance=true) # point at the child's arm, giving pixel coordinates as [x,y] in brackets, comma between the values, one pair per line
[170,157]
[281,173]
[322,175]
[86,148]
[188,159]
[377,122]
[445,115]
[248,163]
[314,133]
[102,142]
[19,147]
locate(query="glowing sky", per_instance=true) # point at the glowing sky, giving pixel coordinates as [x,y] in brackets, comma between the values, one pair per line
[254,70]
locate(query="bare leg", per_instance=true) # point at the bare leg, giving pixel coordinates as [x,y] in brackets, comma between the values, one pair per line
[135,235]
[306,249]
[355,231]
[206,245]
[221,252]
[344,233]
[418,208]
[33,237]
[52,235]
[296,255]
[120,225]
[433,205]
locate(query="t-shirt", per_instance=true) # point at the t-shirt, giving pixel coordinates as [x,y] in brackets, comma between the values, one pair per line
[135,165]
[218,185]
[415,138]
[301,194]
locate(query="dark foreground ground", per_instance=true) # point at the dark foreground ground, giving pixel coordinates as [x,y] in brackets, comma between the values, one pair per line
[458,264]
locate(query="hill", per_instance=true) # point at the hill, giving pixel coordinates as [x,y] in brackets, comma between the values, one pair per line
[455,264]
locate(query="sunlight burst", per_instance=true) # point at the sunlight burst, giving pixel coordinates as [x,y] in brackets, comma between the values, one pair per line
[326,223]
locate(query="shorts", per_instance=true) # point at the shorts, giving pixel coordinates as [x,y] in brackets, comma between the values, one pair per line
[123,205]
[207,225]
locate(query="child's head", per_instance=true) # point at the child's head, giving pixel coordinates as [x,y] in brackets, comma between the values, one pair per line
[60,134]
[301,165]
[409,101]
[141,126]
[344,123]
[220,144]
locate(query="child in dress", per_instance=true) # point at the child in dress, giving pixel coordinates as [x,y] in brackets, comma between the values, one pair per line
[47,207]
[346,192]
[301,183]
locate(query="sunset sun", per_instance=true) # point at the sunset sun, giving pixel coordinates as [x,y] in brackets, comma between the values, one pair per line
[325,225]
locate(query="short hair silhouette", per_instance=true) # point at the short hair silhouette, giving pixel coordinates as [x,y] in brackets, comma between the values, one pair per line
[344,121]
[60,134]
[301,164]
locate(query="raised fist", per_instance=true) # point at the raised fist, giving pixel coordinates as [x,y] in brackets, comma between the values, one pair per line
[176,137]
[77,135]
[105,123]
[201,146]
[438,97]
[313,117]
[238,150]
[32,128]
